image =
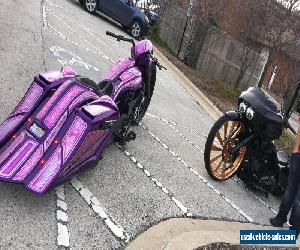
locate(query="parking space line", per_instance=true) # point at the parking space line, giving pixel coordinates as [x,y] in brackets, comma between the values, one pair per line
[175,124]
[98,208]
[47,27]
[235,178]
[255,196]
[80,36]
[158,184]
[59,6]
[88,30]
[63,237]
[204,180]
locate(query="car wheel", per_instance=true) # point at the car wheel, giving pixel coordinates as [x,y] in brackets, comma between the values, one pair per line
[81,2]
[136,29]
[90,5]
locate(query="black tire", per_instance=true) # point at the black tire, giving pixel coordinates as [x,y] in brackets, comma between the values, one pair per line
[140,113]
[208,145]
[81,2]
[136,29]
[89,5]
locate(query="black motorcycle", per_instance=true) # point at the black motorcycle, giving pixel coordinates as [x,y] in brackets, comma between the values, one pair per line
[241,143]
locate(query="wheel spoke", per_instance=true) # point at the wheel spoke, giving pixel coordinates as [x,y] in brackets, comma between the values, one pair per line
[224,168]
[215,158]
[215,148]
[225,130]
[218,167]
[219,138]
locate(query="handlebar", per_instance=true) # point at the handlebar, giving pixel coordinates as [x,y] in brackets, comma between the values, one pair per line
[288,125]
[120,38]
[157,63]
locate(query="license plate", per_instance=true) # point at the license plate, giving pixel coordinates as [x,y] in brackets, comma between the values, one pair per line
[37,131]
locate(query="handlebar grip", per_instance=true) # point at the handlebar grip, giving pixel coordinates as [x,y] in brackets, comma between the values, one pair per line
[288,125]
[108,33]
[293,130]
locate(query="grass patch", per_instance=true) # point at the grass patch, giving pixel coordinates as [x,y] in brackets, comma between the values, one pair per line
[225,89]
[286,142]
[153,35]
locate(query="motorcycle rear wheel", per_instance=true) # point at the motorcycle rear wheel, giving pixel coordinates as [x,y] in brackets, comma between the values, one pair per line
[219,162]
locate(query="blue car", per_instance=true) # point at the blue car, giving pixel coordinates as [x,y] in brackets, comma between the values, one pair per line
[123,11]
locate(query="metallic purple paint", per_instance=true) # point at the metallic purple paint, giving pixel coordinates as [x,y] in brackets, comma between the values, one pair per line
[141,48]
[117,68]
[62,105]
[131,79]
[70,116]
[72,137]
[52,76]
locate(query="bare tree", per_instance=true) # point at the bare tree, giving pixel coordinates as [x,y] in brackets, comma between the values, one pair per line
[205,13]
[278,28]
[247,21]
[246,58]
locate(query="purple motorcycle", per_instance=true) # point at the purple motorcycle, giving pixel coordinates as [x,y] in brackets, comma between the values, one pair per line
[64,121]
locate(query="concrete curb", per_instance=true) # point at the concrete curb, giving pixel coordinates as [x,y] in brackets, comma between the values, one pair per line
[183,233]
[213,111]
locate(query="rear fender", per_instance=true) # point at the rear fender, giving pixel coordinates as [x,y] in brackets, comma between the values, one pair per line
[79,142]
[33,97]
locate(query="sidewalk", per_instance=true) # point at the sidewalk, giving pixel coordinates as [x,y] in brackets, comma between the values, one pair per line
[200,98]
[192,233]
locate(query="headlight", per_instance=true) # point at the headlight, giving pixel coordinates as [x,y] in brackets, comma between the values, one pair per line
[250,113]
[242,107]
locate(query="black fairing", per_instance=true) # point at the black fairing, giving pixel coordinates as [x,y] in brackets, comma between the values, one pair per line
[267,122]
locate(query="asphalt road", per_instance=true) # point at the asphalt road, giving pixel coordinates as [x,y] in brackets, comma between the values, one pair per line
[160,175]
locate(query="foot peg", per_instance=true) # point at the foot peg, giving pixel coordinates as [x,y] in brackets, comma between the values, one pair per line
[129,137]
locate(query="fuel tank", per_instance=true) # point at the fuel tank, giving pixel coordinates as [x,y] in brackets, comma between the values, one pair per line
[122,76]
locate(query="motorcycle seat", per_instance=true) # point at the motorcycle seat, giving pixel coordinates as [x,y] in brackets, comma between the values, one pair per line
[102,88]
[90,84]
[283,158]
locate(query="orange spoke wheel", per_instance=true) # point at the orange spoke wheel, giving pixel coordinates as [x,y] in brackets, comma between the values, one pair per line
[223,137]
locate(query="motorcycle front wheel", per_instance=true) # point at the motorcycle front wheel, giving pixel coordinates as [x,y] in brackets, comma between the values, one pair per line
[224,135]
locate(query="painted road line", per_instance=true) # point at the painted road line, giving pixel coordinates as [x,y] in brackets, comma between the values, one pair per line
[97,207]
[44,14]
[258,198]
[231,203]
[91,32]
[195,146]
[157,183]
[54,31]
[62,36]
[63,237]
[80,36]
[56,5]
[237,181]
[254,195]
[175,124]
